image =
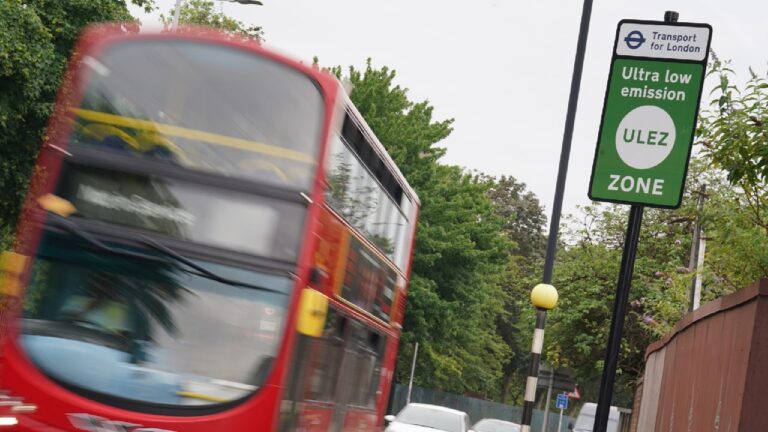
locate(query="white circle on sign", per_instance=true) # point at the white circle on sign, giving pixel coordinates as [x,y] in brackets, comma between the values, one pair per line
[645,137]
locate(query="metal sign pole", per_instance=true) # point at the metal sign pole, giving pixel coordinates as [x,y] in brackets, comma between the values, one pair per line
[561,404]
[632,165]
[617,320]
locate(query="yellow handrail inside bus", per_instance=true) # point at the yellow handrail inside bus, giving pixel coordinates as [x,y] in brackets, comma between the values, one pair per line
[56,204]
[201,396]
[183,132]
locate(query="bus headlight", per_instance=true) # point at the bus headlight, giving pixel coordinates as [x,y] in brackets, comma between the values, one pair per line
[8,421]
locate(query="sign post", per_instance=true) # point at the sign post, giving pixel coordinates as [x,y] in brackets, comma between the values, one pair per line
[644,142]
[562,404]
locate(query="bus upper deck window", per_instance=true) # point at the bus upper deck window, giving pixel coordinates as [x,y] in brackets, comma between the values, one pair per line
[203,106]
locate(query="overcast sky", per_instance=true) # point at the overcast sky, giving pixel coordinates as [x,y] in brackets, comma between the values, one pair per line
[501,69]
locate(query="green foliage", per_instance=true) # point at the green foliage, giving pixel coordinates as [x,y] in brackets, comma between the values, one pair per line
[458,262]
[65,19]
[733,136]
[737,242]
[203,13]
[37,39]
[522,216]
[734,133]
[28,75]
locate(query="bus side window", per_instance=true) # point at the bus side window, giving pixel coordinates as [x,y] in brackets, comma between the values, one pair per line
[315,369]
[365,353]
[323,362]
[378,343]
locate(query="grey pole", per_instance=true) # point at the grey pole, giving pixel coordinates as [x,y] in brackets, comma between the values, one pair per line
[695,250]
[176,12]
[557,206]
[413,368]
[545,423]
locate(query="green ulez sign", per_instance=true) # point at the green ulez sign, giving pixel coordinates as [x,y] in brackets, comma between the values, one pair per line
[649,114]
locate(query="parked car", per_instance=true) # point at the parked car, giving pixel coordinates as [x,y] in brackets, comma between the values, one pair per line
[416,417]
[586,419]
[495,425]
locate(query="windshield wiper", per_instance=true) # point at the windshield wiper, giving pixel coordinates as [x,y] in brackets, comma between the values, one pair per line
[72,227]
[165,250]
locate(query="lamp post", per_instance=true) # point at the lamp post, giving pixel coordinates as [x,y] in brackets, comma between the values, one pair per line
[177,9]
[176,12]
[554,222]
[544,298]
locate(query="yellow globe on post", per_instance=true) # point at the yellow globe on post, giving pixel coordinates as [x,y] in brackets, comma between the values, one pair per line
[544,296]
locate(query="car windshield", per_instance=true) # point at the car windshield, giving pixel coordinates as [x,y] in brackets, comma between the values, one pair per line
[133,324]
[490,425]
[431,417]
[204,106]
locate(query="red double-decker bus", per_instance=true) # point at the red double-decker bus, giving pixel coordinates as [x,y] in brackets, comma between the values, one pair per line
[213,240]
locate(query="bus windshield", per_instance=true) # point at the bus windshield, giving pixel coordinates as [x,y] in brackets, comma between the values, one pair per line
[140,326]
[203,106]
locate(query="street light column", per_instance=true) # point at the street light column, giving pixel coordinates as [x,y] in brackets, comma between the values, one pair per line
[554,223]
[176,13]
[177,9]
[544,298]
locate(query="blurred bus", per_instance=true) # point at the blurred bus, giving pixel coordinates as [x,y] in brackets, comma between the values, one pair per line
[213,240]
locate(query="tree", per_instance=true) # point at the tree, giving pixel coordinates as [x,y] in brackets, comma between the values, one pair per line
[523,222]
[733,134]
[203,13]
[733,137]
[37,39]
[522,215]
[455,294]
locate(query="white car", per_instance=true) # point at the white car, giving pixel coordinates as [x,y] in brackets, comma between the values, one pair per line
[586,418]
[416,417]
[494,425]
